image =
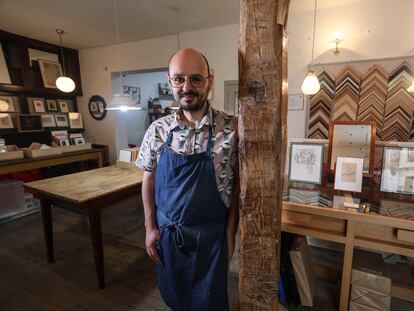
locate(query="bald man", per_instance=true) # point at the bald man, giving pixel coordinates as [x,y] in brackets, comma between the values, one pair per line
[190,191]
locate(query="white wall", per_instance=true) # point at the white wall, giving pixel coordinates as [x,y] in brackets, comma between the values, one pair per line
[370,28]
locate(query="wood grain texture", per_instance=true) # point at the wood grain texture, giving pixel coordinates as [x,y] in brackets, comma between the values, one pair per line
[262,147]
[88,185]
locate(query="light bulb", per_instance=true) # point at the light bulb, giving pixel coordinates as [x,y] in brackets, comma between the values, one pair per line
[65,84]
[310,85]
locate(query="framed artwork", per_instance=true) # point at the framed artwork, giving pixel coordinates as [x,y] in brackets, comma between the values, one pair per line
[6,121]
[397,170]
[63,106]
[51,105]
[75,120]
[4,71]
[30,123]
[61,120]
[348,174]
[305,164]
[165,91]
[134,92]
[50,71]
[79,140]
[352,139]
[295,102]
[38,105]
[6,104]
[31,100]
[97,107]
[48,120]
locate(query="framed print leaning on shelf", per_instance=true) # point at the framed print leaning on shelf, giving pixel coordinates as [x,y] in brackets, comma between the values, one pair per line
[50,71]
[75,120]
[306,162]
[61,120]
[30,123]
[38,105]
[398,170]
[6,104]
[6,121]
[348,174]
[51,105]
[48,120]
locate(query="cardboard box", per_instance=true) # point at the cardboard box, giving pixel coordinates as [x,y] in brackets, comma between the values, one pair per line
[354,306]
[369,271]
[370,298]
[302,268]
[33,151]
[13,153]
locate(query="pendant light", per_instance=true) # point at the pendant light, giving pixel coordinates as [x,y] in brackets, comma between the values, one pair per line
[120,101]
[310,85]
[64,83]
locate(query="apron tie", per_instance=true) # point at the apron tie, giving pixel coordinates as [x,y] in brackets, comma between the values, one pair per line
[178,236]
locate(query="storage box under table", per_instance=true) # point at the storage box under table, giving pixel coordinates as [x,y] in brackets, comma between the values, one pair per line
[370,298]
[354,306]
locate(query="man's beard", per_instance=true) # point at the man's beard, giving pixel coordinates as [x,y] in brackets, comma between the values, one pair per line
[196,104]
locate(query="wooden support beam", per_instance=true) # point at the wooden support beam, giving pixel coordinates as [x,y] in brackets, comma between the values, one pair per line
[262,133]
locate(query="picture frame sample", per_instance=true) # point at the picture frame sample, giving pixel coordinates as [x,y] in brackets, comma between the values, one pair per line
[97,107]
[78,140]
[306,161]
[31,100]
[48,120]
[69,103]
[295,102]
[6,121]
[348,174]
[6,104]
[51,105]
[63,106]
[75,120]
[352,139]
[29,123]
[49,71]
[397,174]
[61,120]
[38,105]
[134,92]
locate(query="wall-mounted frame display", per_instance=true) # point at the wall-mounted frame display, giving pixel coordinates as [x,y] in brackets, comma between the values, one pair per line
[75,120]
[61,120]
[306,161]
[6,104]
[352,139]
[6,121]
[29,123]
[97,107]
[51,105]
[348,174]
[398,170]
[50,71]
[48,120]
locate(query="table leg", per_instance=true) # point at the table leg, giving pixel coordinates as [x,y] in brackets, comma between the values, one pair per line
[347,266]
[96,235]
[47,227]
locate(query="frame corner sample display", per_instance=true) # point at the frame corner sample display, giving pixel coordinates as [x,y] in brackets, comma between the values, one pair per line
[398,170]
[306,162]
[348,174]
[352,139]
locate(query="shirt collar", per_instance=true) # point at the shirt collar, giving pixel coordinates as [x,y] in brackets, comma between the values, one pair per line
[207,119]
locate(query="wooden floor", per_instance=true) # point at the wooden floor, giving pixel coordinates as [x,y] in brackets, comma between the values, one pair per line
[28,282]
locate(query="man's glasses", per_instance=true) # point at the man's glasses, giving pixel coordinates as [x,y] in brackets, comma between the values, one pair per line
[195,80]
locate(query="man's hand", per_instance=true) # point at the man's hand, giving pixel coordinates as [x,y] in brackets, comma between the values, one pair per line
[151,237]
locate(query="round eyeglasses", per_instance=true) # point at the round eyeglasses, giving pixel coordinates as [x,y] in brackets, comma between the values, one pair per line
[195,80]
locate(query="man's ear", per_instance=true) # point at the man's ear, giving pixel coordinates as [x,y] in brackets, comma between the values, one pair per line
[210,80]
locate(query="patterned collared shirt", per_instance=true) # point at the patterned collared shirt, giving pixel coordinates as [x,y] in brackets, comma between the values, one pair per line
[190,140]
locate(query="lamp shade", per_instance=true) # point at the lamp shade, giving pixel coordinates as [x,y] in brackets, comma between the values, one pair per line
[122,102]
[411,88]
[310,85]
[65,84]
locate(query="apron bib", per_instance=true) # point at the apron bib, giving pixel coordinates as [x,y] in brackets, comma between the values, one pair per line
[191,216]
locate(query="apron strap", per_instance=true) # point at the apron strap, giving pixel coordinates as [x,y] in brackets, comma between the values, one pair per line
[169,139]
[210,140]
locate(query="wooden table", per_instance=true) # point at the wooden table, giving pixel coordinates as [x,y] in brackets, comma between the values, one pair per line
[353,228]
[86,193]
[13,166]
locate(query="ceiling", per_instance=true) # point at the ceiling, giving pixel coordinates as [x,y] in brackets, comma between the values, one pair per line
[91,23]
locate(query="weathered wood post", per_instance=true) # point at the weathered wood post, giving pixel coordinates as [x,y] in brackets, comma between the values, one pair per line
[262,130]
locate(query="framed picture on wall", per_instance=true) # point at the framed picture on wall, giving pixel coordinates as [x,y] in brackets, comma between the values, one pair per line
[50,71]
[305,164]
[29,123]
[134,92]
[348,174]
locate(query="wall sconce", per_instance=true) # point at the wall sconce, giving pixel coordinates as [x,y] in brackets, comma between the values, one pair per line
[337,40]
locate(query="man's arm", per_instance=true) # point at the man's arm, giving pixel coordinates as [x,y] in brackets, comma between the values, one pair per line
[233,218]
[152,234]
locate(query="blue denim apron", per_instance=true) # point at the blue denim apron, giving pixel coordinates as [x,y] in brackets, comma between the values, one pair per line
[191,216]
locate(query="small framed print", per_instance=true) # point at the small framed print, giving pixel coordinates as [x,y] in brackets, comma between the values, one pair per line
[30,123]
[61,120]
[48,120]
[295,102]
[398,170]
[51,105]
[50,71]
[75,120]
[38,105]
[6,121]
[78,140]
[6,104]
[305,164]
[63,106]
[348,174]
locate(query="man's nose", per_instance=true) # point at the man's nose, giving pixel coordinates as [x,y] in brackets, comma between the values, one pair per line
[187,86]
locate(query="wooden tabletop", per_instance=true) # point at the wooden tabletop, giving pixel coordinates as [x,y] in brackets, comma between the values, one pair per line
[88,185]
